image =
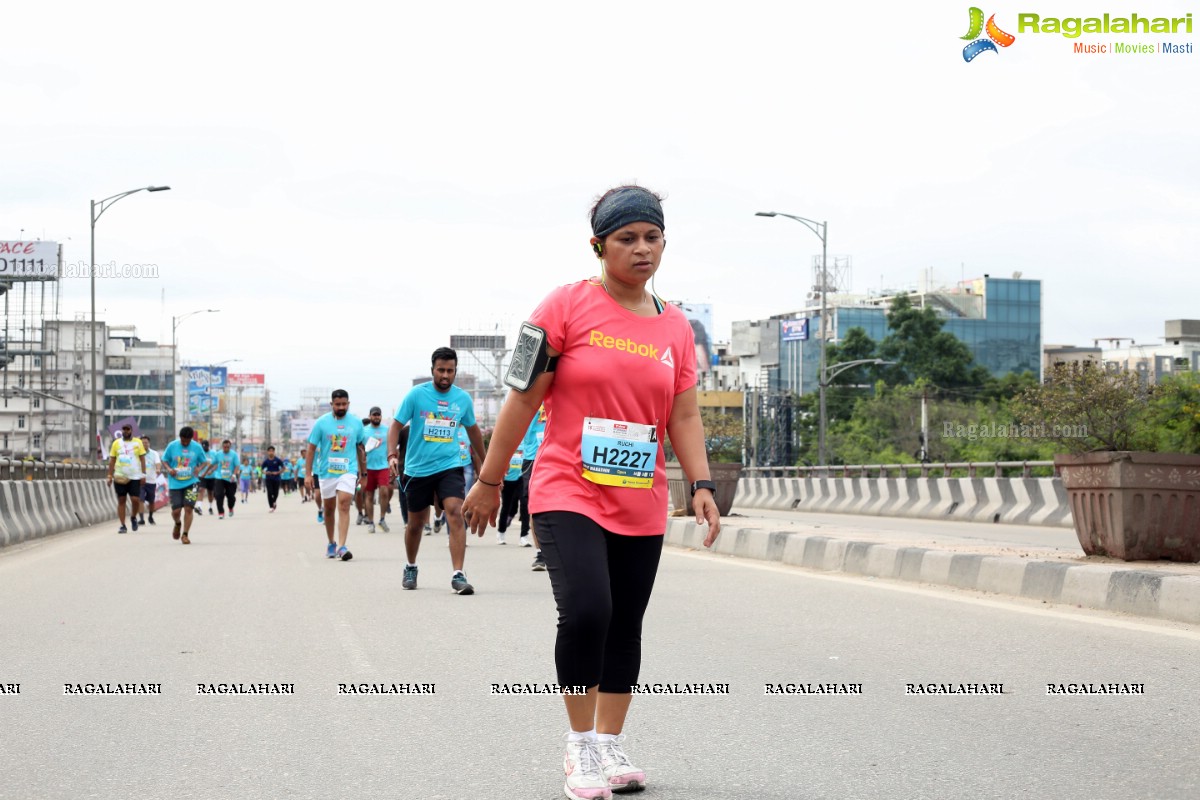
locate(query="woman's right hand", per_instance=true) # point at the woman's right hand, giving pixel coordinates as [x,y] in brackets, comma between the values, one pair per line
[481,507]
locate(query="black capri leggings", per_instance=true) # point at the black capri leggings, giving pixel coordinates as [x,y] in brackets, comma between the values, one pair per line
[602,583]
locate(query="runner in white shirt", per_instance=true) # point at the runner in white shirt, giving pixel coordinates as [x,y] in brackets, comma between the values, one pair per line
[150,484]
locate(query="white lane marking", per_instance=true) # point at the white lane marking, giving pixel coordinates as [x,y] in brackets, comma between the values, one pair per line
[1024,605]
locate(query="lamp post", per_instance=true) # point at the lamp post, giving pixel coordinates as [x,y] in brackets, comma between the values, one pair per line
[98,207]
[821,229]
[175,323]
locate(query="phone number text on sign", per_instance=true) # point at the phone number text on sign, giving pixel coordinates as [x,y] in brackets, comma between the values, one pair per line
[29,260]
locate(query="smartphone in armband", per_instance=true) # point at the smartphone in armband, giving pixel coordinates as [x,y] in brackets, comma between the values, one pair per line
[529,359]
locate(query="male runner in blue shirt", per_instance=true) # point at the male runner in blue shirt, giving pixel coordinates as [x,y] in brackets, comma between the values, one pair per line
[432,465]
[339,461]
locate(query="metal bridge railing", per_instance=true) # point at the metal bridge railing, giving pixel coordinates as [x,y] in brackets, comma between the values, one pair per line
[15,469]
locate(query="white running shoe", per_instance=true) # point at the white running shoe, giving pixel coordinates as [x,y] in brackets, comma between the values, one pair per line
[621,774]
[525,542]
[500,538]
[585,777]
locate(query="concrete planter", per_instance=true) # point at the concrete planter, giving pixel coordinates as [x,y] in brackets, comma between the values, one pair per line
[1135,506]
[725,476]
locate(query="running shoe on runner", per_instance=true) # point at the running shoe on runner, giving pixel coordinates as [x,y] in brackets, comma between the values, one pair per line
[133,524]
[437,523]
[331,551]
[410,577]
[383,526]
[621,774]
[500,537]
[175,533]
[539,563]
[122,529]
[370,527]
[526,542]
[585,777]
[344,554]
[459,584]
[320,517]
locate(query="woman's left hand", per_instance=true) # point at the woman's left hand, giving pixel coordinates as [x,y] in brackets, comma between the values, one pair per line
[706,511]
[481,507]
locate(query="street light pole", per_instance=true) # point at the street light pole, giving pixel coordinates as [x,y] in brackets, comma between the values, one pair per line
[94,215]
[821,229]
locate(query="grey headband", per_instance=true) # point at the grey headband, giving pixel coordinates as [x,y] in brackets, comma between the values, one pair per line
[624,206]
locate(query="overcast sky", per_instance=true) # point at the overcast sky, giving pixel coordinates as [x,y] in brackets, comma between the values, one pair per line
[351,184]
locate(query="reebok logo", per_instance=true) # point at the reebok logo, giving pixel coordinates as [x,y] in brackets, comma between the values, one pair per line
[598,339]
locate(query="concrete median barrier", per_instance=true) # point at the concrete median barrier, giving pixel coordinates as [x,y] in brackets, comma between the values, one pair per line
[1020,501]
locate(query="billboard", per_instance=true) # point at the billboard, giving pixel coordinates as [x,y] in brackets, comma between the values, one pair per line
[28,261]
[206,380]
[700,316]
[301,428]
[204,388]
[793,330]
[245,379]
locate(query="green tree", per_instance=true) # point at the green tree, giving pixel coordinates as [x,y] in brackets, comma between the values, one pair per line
[723,435]
[1174,414]
[843,391]
[921,349]
[1083,408]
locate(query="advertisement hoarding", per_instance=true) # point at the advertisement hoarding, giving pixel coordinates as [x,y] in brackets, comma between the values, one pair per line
[793,330]
[236,379]
[28,261]
[301,428]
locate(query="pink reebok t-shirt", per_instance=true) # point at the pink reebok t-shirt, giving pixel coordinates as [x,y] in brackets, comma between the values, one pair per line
[619,373]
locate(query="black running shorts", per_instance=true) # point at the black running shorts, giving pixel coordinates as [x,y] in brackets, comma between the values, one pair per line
[420,491]
[129,489]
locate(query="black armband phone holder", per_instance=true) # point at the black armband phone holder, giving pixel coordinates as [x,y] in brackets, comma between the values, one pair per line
[529,359]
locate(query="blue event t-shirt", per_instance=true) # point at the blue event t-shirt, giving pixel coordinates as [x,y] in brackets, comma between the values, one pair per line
[300,468]
[534,435]
[377,458]
[287,470]
[337,442]
[186,460]
[226,464]
[434,418]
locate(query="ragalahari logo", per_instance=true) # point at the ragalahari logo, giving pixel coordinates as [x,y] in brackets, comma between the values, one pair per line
[995,36]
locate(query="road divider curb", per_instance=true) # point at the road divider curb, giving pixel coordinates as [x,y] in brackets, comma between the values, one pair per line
[33,509]
[1105,587]
[1019,501]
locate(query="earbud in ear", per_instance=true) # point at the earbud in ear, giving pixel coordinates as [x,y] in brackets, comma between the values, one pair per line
[599,248]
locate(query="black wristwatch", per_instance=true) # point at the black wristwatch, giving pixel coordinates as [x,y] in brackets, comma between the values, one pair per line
[712,487]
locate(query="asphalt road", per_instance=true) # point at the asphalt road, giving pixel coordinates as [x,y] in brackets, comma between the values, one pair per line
[253,600]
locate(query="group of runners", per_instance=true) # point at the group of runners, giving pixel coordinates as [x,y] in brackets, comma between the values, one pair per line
[601,373]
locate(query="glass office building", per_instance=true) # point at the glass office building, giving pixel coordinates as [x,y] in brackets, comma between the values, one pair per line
[999,320]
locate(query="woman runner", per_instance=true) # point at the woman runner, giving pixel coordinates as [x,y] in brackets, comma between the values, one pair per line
[625,375]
